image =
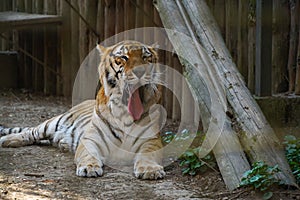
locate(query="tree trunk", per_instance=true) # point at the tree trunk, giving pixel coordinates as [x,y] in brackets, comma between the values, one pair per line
[257,137]
[228,151]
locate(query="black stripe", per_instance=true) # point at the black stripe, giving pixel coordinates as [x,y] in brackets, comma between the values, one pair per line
[34,138]
[101,135]
[110,127]
[79,137]
[81,118]
[46,128]
[116,136]
[79,134]
[78,125]
[57,123]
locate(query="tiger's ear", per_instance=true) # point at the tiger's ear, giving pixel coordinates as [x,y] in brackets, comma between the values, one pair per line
[101,49]
[155,46]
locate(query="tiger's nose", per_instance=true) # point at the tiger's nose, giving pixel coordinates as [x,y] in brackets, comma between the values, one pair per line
[139,71]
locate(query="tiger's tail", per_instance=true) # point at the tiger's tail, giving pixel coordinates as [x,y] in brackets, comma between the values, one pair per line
[7,131]
[63,130]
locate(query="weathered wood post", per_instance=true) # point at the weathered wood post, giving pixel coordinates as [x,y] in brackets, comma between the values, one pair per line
[263,71]
[256,135]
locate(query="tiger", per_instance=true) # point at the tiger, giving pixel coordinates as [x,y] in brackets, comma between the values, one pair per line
[119,127]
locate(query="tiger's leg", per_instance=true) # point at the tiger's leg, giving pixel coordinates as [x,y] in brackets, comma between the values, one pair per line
[147,162]
[90,153]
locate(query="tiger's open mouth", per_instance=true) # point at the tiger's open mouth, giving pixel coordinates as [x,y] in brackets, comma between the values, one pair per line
[133,98]
[135,105]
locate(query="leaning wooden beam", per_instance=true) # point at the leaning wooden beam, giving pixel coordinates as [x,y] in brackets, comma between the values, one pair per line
[229,154]
[256,136]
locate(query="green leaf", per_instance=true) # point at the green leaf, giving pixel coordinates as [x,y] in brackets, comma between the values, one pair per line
[192,173]
[255,178]
[186,170]
[244,182]
[189,153]
[198,164]
[247,173]
[289,138]
[257,185]
[267,195]
[184,162]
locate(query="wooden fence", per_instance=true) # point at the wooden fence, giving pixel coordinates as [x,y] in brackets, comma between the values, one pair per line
[53,54]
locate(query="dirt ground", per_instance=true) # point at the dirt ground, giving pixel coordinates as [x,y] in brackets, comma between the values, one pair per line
[43,172]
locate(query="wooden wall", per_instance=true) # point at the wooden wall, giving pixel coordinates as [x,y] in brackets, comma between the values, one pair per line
[62,49]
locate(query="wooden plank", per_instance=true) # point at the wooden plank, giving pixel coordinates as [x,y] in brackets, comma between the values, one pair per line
[219,13]
[83,30]
[27,60]
[139,20]
[28,6]
[148,21]
[66,48]
[263,53]
[242,41]
[251,47]
[120,21]
[129,18]
[160,41]
[297,83]
[110,13]
[176,112]
[20,6]
[38,50]
[78,39]
[251,58]
[167,93]
[100,19]
[90,16]
[59,80]
[294,8]
[50,48]
[13,20]
[280,43]
[231,14]
[38,6]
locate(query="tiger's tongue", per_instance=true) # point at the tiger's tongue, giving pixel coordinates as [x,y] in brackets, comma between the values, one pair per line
[135,107]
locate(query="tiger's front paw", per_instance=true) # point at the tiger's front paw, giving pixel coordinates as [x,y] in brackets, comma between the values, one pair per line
[89,170]
[148,170]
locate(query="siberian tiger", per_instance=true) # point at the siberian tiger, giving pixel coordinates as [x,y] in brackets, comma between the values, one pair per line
[121,126]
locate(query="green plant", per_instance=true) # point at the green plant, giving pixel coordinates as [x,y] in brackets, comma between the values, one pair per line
[192,164]
[261,177]
[167,137]
[189,160]
[292,153]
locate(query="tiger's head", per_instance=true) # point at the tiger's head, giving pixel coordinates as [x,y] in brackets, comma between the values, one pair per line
[128,75]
